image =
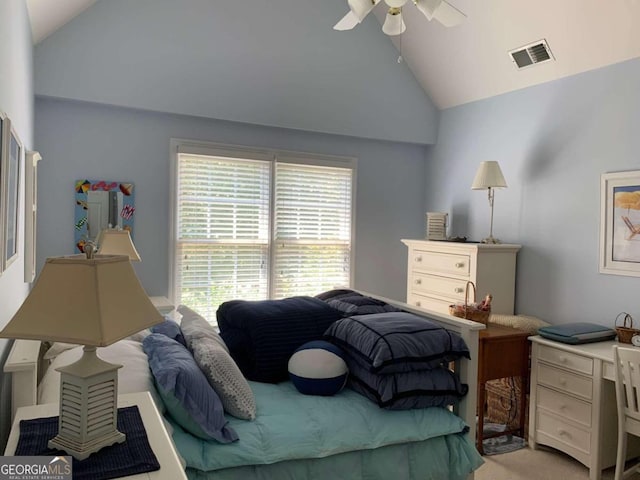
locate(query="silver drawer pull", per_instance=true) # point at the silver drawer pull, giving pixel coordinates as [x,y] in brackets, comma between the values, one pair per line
[418,259]
[459,265]
[563,433]
[458,289]
[562,359]
[562,381]
[418,281]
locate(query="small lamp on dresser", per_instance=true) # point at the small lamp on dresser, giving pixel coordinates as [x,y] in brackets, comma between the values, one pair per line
[488,177]
[92,301]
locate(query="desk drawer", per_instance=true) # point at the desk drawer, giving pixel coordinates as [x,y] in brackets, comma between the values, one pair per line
[565,406]
[440,286]
[563,432]
[442,263]
[565,359]
[565,381]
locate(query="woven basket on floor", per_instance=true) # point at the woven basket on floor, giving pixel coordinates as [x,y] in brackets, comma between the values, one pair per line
[626,331]
[469,310]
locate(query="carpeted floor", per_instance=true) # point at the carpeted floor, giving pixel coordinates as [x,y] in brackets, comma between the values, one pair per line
[541,464]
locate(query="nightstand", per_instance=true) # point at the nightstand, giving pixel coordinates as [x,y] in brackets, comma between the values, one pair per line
[159,439]
[503,352]
[162,304]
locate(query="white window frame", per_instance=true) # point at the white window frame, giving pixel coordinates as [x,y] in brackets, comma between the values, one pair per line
[195,147]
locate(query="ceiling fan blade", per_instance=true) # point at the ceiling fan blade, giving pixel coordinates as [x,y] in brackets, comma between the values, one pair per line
[448,15]
[427,7]
[347,23]
[361,8]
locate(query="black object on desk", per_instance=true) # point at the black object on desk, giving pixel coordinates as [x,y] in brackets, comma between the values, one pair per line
[131,457]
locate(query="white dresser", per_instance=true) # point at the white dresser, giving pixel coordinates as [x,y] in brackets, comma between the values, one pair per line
[437,273]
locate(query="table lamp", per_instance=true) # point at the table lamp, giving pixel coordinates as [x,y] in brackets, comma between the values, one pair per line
[91,301]
[114,241]
[488,177]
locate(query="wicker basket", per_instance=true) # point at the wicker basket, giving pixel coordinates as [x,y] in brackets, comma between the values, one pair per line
[470,310]
[626,331]
[503,403]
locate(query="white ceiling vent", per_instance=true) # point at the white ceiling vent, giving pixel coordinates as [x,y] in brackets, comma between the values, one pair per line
[536,52]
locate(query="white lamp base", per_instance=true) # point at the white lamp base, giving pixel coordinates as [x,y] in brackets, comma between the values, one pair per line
[88,406]
[491,240]
[80,451]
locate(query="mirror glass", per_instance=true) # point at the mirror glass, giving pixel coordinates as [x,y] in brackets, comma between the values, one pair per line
[101,204]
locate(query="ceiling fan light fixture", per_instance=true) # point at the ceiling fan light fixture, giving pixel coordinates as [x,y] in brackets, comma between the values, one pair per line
[395,3]
[361,8]
[394,24]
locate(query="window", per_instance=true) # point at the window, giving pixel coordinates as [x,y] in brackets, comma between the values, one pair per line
[256,225]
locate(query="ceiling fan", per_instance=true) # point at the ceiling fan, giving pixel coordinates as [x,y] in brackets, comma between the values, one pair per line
[442,11]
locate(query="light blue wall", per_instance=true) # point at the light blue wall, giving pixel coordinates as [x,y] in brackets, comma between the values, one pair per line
[275,63]
[81,140]
[16,100]
[553,142]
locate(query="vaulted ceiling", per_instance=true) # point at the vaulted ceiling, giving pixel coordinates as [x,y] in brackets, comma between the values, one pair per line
[469,62]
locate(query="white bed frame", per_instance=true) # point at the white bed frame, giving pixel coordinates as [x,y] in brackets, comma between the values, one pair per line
[26,365]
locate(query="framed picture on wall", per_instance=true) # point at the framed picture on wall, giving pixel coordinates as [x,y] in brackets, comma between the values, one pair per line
[11,167]
[30,213]
[5,127]
[620,223]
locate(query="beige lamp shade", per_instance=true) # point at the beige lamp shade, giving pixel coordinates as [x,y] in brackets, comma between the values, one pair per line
[93,302]
[488,175]
[117,242]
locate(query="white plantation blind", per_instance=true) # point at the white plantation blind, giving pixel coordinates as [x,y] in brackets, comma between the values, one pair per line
[222,231]
[257,229]
[312,229]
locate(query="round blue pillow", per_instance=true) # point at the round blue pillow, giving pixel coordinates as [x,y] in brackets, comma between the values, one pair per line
[318,368]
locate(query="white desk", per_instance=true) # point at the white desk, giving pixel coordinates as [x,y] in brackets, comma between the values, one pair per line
[159,439]
[572,403]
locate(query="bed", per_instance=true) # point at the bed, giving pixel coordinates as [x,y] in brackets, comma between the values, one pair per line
[299,436]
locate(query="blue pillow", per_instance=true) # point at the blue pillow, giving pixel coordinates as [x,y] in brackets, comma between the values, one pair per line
[318,368]
[171,329]
[262,335]
[185,391]
[438,387]
[396,342]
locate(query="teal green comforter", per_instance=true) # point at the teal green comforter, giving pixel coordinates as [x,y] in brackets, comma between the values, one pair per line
[291,426]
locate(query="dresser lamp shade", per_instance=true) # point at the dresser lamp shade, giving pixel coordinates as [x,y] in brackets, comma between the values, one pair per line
[94,301]
[488,177]
[112,241]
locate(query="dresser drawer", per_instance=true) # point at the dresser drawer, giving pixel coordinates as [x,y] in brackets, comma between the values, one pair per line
[564,359]
[565,381]
[428,303]
[438,286]
[441,263]
[565,406]
[563,432]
